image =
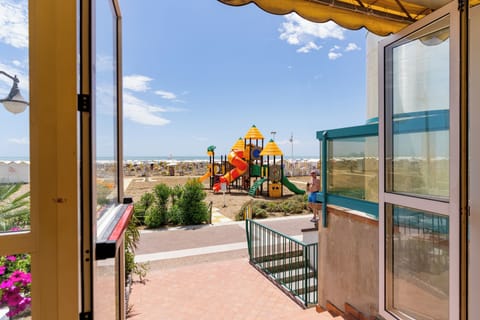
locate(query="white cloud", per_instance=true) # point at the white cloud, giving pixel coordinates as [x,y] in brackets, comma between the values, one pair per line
[142,112]
[136,83]
[14,23]
[334,55]
[352,47]
[309,46]
[22,141]
[300,32]
[166,95]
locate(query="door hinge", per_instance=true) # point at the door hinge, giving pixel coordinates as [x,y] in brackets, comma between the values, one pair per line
[86,316]
[84,103]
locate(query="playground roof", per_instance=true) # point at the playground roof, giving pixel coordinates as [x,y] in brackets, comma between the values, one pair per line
[381,17]
[271,149]
[254,133]
[239,145]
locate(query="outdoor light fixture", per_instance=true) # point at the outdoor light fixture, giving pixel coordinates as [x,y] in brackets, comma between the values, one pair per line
[14,102]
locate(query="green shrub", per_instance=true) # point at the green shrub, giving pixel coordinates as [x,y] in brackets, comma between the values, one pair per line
[162,193]
[194,210]
[155,216]
[174,215]
[260,214]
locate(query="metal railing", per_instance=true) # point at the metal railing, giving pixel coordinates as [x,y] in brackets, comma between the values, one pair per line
[287,261]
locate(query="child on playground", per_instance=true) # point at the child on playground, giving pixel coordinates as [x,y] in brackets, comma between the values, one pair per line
[313,187]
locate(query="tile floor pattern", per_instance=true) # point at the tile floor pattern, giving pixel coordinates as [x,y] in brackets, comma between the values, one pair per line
[230,290]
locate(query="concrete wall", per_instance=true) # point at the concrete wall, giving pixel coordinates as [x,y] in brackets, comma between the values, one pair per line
[348,261]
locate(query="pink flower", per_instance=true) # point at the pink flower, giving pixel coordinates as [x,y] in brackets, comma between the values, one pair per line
[12,258]
[2,270]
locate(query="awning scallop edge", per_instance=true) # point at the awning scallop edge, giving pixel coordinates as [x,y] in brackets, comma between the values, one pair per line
[381,17]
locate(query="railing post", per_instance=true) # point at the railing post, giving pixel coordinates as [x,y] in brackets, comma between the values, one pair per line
[249,237]
[324,178]
[305,272]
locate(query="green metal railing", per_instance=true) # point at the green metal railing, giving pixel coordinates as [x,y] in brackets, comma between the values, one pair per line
[287,261]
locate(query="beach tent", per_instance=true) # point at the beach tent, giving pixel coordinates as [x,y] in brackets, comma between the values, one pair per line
[381,17]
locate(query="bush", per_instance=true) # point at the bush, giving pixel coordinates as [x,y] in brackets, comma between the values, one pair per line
[262,209]
[155,216]
[193,209]
[174,215]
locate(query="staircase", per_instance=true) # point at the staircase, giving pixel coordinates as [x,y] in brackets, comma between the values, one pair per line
[287,262]
[292,273]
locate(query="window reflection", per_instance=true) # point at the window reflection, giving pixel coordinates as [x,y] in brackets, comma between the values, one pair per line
[353,168]
[417,250]
[106,108]
[418,145]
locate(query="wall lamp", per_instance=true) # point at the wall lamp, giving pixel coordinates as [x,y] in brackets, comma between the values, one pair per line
[14,102]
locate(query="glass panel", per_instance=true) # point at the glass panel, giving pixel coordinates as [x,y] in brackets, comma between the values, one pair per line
[105,289]
[106,107]
[353,168]
[14,117]
[417,263]
[418,113]
[15,286]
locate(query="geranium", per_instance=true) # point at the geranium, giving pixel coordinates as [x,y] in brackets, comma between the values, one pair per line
[15,283]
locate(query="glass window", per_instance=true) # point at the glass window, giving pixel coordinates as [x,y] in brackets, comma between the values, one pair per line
[353,168]
[14,117]
[417,263]
[417,113]
[106,107]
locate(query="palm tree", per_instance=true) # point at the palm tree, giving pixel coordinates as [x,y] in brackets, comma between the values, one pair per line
[14,210]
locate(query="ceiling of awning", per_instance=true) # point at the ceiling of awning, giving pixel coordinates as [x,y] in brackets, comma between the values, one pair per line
[381,17]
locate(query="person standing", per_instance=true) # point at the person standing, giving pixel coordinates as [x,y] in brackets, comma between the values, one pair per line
[313,187]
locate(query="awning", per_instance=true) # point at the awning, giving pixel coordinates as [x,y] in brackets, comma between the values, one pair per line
[381,17]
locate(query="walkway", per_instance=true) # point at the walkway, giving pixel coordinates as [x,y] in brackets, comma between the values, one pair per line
[204,273]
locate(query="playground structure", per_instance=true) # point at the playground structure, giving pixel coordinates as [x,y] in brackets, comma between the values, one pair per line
[249,166]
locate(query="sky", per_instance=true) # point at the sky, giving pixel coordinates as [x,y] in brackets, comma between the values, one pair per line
[198,73]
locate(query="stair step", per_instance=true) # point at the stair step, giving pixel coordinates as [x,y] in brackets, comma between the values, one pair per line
[278,256]
[325,315]
[296,276]
[283,266]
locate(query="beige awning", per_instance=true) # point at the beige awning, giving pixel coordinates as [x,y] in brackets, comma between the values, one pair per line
[381,17]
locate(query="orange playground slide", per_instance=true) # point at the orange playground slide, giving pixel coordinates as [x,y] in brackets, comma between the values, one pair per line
[205,176]
[235,158]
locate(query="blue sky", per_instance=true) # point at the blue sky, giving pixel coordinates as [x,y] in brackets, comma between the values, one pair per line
[200,73]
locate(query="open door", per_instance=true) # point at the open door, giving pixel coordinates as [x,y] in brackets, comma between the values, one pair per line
[419,196]
[105,214]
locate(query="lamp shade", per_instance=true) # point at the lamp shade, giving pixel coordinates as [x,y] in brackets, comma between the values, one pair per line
[16,104]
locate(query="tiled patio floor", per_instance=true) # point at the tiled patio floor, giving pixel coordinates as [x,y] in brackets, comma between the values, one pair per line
[204,273]
[229,289]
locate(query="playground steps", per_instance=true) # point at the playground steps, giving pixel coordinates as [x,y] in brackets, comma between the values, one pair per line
[253,189]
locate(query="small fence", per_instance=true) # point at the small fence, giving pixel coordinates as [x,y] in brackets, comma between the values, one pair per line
[288,262]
